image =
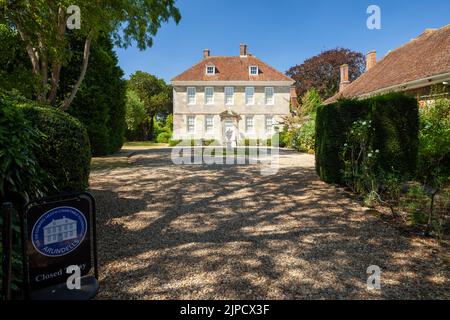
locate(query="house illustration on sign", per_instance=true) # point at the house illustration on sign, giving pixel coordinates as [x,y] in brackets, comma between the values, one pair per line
[60,230]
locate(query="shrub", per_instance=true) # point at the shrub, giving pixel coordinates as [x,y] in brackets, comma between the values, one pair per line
[303,138]
[394,118]
[64,147]
[434,143]
[299,131]
[163,137]
[21,177]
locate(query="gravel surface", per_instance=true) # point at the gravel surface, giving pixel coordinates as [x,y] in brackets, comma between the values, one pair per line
[227,232]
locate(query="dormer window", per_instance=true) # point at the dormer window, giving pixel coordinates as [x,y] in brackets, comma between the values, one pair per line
[210,70]
[253,70]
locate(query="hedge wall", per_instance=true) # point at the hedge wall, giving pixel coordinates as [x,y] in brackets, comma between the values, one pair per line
[396,121]
[64,150]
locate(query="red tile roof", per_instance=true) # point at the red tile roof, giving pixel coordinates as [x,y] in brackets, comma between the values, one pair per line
[231,69]
[423,57]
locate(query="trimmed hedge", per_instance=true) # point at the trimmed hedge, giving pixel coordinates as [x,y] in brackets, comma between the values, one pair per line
[395,118]
[64,151]
[21,177]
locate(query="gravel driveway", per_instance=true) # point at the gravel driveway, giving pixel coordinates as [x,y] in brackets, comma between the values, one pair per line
[227,232]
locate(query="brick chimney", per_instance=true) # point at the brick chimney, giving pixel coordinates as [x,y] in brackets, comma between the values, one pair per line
[293,94]
[243,49]
[344,78]
[371,60]
[206,53]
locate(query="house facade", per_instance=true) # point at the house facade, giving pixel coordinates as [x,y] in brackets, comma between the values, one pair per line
[420,67]
[229,99]
[60,230]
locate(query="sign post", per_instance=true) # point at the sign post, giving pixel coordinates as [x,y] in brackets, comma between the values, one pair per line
[60,248]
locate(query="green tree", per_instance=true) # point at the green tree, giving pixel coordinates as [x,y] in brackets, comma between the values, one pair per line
[155,94]
[135,111]
[100,102]
[15,73]
[42,27]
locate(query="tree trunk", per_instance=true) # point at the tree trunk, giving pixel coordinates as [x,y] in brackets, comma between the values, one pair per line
[56,71]
[87,48]
[44,72]
[430,213]
[34,57]
[151,128]
[56,65]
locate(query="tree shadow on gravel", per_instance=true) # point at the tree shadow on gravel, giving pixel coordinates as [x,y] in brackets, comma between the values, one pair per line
[227,232]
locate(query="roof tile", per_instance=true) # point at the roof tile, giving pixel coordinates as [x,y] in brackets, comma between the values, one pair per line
[231,69]
[427,55]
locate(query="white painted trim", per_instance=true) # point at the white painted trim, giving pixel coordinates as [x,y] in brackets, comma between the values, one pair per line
[187,123]
[210,66]
[206,126]
[250,70]
[273,96]
[187,96]
[266,116]
[253,124]
[210,103]
[225,96]
[234,83]
[253,97]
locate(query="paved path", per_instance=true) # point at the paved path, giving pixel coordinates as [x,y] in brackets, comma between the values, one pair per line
[227,232]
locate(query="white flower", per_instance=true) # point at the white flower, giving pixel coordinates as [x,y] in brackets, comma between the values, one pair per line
[369,154]
[377,151]
[345,144]
[364,123]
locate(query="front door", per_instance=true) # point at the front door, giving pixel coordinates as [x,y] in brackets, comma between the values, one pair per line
[229,133]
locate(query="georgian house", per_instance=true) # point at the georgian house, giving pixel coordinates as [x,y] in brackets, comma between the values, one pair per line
[229,99]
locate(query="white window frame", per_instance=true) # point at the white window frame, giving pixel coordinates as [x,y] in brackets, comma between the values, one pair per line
[206,98]
[187,96]
[269,103]
[250,70]
[211,117]
[247,100]
[187,124]
[213,70]
[272,125]
[232,96]
[247,118]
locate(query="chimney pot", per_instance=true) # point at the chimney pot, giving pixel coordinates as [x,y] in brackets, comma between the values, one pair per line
[243,49]
[344,77]
[206,53]
[293,94]
[371,60]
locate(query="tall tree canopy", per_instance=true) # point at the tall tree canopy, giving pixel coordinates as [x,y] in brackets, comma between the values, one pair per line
[154,93]
[42,27]
[322,71]
[100,102]
[15,70]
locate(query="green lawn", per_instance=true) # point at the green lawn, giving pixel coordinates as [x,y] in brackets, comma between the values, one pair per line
[144,144]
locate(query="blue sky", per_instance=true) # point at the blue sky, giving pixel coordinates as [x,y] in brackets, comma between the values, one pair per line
[282,33]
